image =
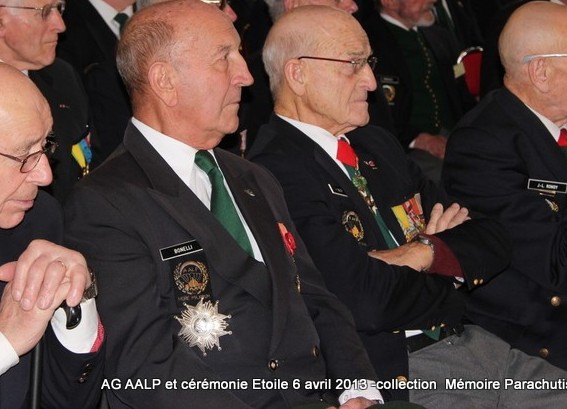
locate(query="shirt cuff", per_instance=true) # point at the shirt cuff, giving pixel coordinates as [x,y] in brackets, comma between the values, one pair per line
[80,339]
[8,356]
[370,392]
[444,261]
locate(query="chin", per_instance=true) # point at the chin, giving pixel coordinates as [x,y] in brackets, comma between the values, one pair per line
[12,220]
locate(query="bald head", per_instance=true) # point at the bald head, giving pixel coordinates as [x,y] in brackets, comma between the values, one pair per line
[532,47]
[19,99]
[294,35]
[25,122]
[535,28]
[151,35]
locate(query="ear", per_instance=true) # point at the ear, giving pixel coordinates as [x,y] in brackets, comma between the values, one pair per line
[295,76]
[161,78]
[538,73]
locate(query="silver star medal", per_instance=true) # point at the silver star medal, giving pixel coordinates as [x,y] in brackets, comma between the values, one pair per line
[202,325]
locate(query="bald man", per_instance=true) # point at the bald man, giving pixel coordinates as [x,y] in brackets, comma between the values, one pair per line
[257,100]
[369,219]
[36,275]
[504,159]
[200,277]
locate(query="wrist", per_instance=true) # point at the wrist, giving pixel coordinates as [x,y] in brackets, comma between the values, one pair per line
[427,243]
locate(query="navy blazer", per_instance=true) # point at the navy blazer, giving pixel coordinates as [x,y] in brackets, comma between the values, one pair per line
[384,299]
[492,156]
[127,216]
[62,88]
[87,39]
[62,369]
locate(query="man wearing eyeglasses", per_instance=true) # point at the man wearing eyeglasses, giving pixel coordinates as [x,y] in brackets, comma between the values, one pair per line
[36,275]
[28,38]
[507,159]
[389,243]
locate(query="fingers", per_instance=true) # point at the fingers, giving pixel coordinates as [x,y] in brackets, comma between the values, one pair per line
[436,213]
[7,271]
[43,279]
[442,220]
[42,269]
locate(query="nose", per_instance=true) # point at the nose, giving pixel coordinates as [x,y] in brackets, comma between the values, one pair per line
[229,11]
[41,175]
[369,78]
[56,22]
[242,77]
[349,6]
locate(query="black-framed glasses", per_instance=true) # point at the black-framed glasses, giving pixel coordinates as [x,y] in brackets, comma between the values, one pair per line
[45,10]
[30,162]
[221,4]
[357,64]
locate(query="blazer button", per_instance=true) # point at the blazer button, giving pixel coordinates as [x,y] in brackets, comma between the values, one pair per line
[544,352]
[556,301]
[315,351]
[82,379]
[401,378]
[476,281]
[273,364]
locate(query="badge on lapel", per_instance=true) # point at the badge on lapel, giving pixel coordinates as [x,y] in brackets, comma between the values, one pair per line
[353,225]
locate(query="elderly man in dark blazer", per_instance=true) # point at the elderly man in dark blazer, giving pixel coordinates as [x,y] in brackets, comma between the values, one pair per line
[28,38]
[36,274]
[203,279]
[375,226]
[506,159]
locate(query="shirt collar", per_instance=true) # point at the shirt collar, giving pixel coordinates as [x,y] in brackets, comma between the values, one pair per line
[551,127]
[107,12]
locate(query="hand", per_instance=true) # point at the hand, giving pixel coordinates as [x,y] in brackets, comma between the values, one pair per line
[440,220]
[40,272]
[414,254]
[433,144]
[22,328]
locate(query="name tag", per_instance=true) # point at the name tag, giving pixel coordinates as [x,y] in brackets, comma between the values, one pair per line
[337,190]
[178,250]
[547,186]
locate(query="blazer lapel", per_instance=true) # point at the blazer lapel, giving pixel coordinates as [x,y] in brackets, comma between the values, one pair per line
[259,216]
[176,199]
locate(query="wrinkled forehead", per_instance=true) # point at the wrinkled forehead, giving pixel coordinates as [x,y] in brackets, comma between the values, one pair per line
[345,38]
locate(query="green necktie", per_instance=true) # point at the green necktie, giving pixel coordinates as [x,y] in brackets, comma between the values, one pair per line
[222,205]
[121,19]
[347,156]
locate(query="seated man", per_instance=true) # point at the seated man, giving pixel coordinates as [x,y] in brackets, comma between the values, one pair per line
[201,281]
[415,69]
[506,159]
[370,221]
[40,275]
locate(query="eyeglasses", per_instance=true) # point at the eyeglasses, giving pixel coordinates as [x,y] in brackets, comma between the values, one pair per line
[221,4]
[357,64]
[531,57]
[30,162]
[45,10]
